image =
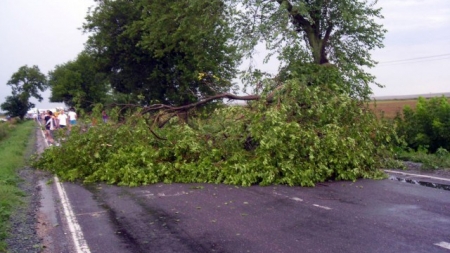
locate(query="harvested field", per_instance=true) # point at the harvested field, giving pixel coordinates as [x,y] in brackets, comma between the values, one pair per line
[390,108]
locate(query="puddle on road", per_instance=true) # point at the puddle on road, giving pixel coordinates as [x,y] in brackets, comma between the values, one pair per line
[47,203]
[47,219]
[422,183]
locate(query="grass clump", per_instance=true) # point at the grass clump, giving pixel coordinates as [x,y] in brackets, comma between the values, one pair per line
[430,161]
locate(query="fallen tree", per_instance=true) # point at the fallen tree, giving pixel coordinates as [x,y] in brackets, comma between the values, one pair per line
[311,134]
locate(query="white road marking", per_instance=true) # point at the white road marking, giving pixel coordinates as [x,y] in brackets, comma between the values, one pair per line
[74,228]
[323,207]
[162,194]
[293,198]
[444,245]
[417,175]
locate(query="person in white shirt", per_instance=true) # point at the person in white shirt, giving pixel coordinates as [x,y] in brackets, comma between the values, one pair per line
[63,119]
[72,116]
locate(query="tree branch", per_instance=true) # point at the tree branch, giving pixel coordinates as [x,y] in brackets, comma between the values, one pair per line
[169,108]
[298,19]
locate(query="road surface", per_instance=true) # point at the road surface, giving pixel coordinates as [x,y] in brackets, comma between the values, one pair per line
[362,216]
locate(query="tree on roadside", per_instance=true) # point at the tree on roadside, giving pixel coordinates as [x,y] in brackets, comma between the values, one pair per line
[78,83]
[339,33]
[27,82]
[169,52]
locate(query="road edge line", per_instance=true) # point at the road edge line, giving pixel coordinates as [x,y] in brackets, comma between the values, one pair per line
[74,228]
[417,175]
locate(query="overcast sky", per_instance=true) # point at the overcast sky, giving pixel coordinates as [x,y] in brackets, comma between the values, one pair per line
[415,59]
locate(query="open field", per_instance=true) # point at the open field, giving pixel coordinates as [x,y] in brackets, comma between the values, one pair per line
[390,106]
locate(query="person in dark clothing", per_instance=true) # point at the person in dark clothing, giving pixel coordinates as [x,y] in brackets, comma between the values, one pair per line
[50,126]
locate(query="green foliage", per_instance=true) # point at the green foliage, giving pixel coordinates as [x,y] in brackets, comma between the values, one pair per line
[16,106]
[428,126]
[339,32]
[154,51]
[78,83]
[6,128]
[3,130]
[309,134]
[25,83]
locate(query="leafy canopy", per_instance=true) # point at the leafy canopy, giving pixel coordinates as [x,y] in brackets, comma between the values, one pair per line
[78,83]
[27,82]
[337,32]
[156,50]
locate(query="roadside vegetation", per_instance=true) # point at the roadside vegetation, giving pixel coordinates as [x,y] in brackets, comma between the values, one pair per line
[13,147]
[429,161]
[426,132]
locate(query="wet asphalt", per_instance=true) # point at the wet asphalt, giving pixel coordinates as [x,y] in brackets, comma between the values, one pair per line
[362,216]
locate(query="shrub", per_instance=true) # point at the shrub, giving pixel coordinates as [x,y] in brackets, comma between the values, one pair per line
[428,126]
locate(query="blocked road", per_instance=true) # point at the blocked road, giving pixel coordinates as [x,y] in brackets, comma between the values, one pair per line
[365,216]
[362,216]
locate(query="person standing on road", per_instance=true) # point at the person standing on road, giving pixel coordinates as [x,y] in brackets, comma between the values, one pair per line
[50,126]
[63,119]
[72,116]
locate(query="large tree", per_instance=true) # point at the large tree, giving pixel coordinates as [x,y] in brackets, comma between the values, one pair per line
[27,82]
[170,52]
[340,33]
[78,83]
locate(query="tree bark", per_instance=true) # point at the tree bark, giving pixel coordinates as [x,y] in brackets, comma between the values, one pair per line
[312,32]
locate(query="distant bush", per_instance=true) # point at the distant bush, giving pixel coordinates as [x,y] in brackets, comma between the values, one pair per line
[426,127]
[3,130]
[6,127]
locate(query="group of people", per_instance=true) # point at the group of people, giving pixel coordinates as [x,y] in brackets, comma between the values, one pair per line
[58,120]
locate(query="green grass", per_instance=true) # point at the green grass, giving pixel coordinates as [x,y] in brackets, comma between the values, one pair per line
[438,160]
[13,148]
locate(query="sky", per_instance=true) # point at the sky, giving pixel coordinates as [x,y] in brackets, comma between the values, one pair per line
[414,60]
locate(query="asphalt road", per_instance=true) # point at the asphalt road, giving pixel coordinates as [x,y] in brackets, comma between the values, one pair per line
[363,216]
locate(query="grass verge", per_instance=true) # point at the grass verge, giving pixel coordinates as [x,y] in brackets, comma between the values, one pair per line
[13,149]
[438,160]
